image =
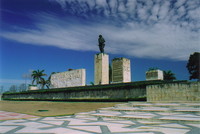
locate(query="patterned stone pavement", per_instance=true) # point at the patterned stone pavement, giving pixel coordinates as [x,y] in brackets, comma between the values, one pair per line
[128,118]
[11,116]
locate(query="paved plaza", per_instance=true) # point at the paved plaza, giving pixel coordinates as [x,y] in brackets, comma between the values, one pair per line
[127,118]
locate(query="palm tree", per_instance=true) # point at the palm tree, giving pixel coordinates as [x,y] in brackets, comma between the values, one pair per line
[92,83]
[47,83]
[168,75]
[44,83]
[37,76]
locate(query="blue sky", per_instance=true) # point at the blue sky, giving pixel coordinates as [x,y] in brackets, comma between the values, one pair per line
[56,35]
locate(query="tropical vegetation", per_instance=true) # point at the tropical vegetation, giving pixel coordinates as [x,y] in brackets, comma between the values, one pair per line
[37,76]
[193,66]
[39,80]
[169,75]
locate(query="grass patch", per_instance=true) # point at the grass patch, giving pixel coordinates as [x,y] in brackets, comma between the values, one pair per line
[54,108]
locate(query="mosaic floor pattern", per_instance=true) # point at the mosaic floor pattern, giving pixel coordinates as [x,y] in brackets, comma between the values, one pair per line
[121,119]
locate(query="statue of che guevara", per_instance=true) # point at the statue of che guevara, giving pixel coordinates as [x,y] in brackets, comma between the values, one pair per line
[101,43]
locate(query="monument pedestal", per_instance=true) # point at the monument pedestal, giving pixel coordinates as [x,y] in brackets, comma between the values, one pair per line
[121,70]
[101,74]
[155,75]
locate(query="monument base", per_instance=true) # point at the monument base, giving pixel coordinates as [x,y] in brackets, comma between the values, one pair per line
[33,87]
[155,75]
[121,70]
[101,69]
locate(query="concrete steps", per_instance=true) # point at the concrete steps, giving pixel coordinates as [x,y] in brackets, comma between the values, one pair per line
[154,112]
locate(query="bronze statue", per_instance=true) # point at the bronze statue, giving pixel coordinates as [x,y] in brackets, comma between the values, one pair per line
[101,43]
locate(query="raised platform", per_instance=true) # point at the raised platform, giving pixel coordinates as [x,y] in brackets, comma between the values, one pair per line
[133,91]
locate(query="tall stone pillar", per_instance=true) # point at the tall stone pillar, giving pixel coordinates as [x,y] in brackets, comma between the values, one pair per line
[121,70]
[101,74]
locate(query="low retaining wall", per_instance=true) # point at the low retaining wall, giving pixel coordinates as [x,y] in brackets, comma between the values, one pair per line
[174,92]
[156,91]
[95,95]
[113,92]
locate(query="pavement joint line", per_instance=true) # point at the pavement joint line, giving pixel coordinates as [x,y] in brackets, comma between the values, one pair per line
[82,130]
[193,129]
[100,119]
[105,129]
[41,118]
[65,123]
[150,119]
[97,111]
[18,127]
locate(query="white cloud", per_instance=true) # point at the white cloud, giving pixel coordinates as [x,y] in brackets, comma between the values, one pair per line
[131,5]
[165,37]
[11,81]
[121,7]
[163,11]
[181,11]
[179,3]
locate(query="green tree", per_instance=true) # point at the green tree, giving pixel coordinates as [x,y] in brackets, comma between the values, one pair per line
[168,75]
[13,88]
[193,66]
[1,89]
[48,81]
[92,83]
[22,87]
[44,83]
[37,76]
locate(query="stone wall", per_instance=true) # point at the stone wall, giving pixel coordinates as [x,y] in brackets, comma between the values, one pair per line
[112,92]
[154,91]
[69,78]
[174,92]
